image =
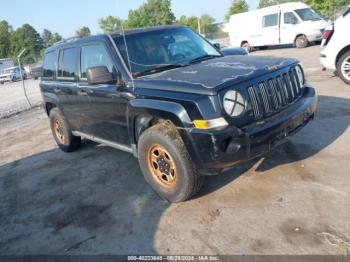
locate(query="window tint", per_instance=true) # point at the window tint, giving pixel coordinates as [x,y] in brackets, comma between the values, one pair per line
[290,18]
[67,63]
[95,55]
[49,65]
[270,20]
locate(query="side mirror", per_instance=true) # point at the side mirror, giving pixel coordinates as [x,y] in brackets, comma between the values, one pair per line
[294,21]
[217,46]
[99,75]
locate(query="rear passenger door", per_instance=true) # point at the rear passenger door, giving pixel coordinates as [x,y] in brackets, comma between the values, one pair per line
[66,87]
[106,116]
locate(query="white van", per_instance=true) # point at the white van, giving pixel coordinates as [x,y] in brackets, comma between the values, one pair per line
[290,23]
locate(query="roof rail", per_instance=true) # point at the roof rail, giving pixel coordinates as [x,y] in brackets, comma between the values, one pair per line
[69,39]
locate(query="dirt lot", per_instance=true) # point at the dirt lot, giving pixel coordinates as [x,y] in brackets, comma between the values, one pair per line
[95,201]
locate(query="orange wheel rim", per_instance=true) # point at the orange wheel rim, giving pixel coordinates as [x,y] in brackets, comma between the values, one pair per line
[162,165]
[58,131]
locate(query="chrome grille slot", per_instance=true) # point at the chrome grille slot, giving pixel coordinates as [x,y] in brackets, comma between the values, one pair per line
[254,101]
[270,95]
[264,96]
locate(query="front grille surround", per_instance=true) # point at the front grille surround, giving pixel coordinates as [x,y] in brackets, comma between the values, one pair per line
[270,95]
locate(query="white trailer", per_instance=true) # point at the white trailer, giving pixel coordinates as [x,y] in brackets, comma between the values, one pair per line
[291,23]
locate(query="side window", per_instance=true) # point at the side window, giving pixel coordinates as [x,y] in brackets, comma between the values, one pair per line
[290,18]
[67,63]
[270,20]
[49,65]
[94,55]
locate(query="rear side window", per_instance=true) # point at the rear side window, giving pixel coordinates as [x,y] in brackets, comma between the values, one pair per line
[270,20]
[49,65]
[67,63]
[346,12]
[95,55]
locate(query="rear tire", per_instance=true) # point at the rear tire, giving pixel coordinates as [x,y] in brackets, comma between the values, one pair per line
[301,41]
[343,67]
[166,163]
[246,46]
[62,133]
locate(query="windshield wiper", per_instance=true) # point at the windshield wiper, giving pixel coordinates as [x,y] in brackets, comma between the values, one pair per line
[158,69]
[204,57]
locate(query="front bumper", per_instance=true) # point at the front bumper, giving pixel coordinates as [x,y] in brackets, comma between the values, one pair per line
[228,147]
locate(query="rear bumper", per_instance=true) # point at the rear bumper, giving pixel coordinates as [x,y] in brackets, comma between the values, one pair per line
[228,147]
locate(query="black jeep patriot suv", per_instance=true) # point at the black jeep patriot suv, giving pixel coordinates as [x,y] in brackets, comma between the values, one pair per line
[170,98]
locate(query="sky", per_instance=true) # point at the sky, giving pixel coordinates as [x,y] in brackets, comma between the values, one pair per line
[65,16]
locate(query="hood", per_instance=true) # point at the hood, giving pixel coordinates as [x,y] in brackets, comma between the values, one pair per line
[6,75]
[209,76]
[318,24]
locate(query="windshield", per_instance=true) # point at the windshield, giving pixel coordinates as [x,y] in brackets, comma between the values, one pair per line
[163,49]
[10,70]
[308,14]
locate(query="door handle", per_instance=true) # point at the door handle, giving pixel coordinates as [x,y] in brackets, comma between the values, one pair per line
[82,93]
[57,89]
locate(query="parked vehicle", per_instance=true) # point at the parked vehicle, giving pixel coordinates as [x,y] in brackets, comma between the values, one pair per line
[35,70]
[335,52]
[5,63]
[228,50]
[289,23]
[12,74]
[174,101]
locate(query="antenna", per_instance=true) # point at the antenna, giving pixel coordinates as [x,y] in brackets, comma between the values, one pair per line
[127,51]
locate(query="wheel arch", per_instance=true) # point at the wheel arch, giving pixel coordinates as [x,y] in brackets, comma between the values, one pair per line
[339,55]
[144,113]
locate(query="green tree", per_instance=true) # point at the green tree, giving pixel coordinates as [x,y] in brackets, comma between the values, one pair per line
[327,8]
[237,6]
[207,24]
[5,42]
[83,31]
[56,38]
[26,37]
[47,38]
[265,3]
[191,22]
[111,24]
[151,13]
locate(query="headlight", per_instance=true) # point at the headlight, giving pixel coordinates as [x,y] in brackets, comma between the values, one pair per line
[300,73]
[234,103]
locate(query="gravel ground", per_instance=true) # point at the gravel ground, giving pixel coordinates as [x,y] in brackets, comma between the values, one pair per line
[95,201]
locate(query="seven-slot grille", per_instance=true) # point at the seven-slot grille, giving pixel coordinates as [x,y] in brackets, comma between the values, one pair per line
[270,95]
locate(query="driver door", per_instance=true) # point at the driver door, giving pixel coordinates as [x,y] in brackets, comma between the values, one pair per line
[289,28]
[106,114]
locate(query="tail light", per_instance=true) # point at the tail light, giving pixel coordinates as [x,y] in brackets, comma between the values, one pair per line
[327,33]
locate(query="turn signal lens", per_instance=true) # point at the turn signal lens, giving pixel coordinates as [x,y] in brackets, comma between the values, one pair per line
[209,124]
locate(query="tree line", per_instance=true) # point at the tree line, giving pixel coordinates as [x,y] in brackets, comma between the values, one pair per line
[12,42]
[150,13]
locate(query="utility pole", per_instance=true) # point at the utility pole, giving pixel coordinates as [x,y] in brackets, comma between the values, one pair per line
[20,71]
[199,25]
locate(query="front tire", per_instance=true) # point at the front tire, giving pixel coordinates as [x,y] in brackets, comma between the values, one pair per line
[62,133]
[247,47]
[301,41]
[343,67]
[166,163]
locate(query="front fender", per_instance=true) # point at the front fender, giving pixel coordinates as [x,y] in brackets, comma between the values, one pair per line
[164,109]
[148,109]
